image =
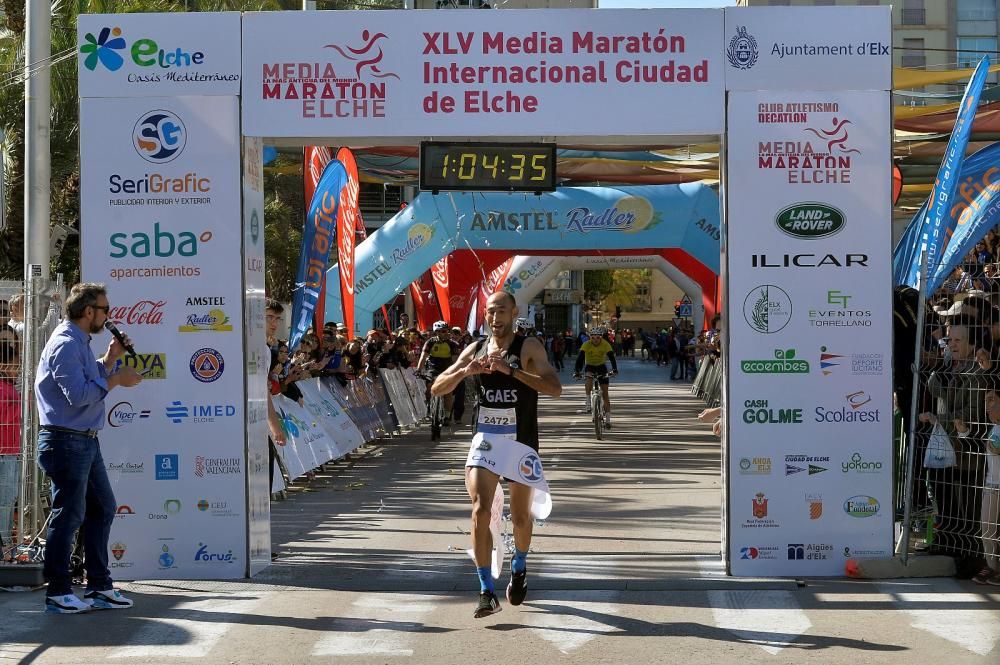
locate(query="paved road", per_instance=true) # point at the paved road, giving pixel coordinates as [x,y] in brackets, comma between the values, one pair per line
[373,570]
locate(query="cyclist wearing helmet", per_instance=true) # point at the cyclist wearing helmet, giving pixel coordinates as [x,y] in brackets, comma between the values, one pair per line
[592,355]
[438,354]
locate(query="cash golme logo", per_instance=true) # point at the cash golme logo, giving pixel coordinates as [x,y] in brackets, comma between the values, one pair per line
[159,136]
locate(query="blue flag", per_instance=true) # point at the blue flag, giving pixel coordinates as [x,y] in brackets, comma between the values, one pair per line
[318,236]
[979,171]
[937,226]
[975,219]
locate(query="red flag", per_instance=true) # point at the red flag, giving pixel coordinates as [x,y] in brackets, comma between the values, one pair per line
[491,285]
[425,301]
[439,272]
[314,160]
[348,219]
[457,278]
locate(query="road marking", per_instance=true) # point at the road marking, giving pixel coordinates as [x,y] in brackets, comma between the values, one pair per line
[568,620]
[191,629]
[976,630]
[770,619]
[402,613]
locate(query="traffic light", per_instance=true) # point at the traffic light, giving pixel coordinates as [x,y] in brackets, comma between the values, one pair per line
[618,311]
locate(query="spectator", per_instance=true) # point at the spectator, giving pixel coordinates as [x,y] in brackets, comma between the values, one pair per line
[989,518]
[10,444]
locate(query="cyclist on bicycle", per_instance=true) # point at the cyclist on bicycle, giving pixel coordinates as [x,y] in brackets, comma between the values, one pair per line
[592,357]
[438,354]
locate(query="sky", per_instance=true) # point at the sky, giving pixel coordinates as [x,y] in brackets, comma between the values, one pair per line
[646,4]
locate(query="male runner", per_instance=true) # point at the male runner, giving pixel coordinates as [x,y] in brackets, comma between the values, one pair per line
[593,352]
[511,371]
[438,354]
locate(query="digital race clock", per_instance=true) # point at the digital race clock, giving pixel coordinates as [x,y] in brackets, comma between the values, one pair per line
[506,167]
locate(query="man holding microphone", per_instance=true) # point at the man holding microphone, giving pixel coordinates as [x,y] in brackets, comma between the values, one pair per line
[70,387]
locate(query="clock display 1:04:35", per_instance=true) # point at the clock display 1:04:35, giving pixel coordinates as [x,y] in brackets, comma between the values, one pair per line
[512,167]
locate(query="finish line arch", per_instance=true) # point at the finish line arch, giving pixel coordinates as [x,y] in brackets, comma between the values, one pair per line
[532,273]
[806,132]
[677,222]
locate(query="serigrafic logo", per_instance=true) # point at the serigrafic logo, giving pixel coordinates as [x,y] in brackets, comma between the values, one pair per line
[530,468]
[742,52]
[767,309]
[159,136]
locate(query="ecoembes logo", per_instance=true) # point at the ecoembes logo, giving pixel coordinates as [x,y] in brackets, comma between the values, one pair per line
[784,363]
[810,221]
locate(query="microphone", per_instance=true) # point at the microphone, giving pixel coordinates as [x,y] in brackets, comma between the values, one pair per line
[118,335]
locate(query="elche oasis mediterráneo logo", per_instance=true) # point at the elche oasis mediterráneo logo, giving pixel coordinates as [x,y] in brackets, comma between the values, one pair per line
[784,362]
[104,50]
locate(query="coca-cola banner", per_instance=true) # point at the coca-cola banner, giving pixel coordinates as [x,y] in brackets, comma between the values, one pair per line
[162,228]
[348,220]
[425,302]
[457,278]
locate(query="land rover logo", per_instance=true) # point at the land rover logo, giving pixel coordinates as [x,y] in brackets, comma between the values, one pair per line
[810,221]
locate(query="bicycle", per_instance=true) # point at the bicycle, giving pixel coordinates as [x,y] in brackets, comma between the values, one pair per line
[435,409]
[596,404]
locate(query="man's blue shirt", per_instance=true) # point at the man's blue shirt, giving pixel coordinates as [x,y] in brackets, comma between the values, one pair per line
[70,384]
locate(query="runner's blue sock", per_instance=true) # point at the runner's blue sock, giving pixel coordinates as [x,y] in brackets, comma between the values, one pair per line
[485,579]
[519,562]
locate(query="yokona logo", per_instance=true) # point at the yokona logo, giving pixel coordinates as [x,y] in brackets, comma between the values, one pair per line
[159,136]
[784,363]
[859,464]
[742,52]
[767,309]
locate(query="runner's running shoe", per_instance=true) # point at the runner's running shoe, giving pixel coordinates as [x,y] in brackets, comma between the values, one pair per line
[488,604]
[68,604]
[111,599]
[517,589]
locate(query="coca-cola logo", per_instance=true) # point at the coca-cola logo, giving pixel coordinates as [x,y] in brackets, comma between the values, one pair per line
[457,301]
[144,312]
[440,273]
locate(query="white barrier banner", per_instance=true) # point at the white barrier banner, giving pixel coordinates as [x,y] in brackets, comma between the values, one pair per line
[159,55]
[447,74]
[160,207]
[344,435]
[308,443]
[810,399]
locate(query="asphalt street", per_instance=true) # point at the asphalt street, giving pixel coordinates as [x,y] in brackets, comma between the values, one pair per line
[372,569]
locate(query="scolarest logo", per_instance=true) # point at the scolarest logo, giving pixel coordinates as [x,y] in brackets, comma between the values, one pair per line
[159,136]
[145,52]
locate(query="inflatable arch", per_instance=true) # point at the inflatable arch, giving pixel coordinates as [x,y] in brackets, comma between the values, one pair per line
[678,222]
[528,275]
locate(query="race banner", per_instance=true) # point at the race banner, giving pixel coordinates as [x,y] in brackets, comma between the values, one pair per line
[937,224]
[317,237]
[809,460]
[314,161]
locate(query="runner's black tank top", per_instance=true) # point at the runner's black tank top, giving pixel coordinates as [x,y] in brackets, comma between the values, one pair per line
[499,391]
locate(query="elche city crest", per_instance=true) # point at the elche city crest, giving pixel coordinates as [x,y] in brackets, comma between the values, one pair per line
[760,506]
[742,51]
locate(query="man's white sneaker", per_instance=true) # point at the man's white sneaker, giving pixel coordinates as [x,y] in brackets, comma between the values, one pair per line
[68,604]
[112,599]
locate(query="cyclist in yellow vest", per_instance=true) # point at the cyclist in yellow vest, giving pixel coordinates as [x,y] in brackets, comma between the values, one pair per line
[593,354]
[438,354]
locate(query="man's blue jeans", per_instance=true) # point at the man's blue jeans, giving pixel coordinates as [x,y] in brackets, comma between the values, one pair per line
[81,498]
